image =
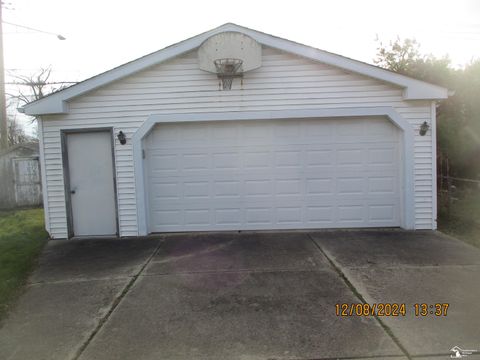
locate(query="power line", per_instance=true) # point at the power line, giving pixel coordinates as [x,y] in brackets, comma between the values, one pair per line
[60,37]
[41,83]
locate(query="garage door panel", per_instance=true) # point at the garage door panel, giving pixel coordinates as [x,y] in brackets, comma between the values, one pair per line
[273,175]
[288,159]
[227,188]
[289,187]
[258,187]
[319,157]
[318,132]
[316,186]
[382,156]
[382,184]
[196,190]
[286,218]
[228,216]
[169,217]
[289,215]
[260,215]
[165,191]
[259,159]
[350,157]
[195,161]
[195,199]
[225,160]
[163,164]
[378,126]
[256,130]
[350,185]
[197,217]
[350,214]
[320,215]
[382,213]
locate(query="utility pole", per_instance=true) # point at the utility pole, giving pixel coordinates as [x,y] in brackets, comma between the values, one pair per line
[3,108]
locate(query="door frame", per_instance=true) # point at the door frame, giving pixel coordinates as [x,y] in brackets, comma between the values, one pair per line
[66,175]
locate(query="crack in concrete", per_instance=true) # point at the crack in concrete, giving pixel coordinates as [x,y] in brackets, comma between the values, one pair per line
[116,302]
[352,288]
[447,355]
[78,280]
[351,357]
[415,267]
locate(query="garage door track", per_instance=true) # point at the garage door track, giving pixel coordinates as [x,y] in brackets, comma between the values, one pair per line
[250,295]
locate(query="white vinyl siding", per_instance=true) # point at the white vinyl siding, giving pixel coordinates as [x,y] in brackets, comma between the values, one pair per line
[284,82]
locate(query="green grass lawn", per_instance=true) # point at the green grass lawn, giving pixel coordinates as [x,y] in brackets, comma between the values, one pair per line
[462,219]
[22,237]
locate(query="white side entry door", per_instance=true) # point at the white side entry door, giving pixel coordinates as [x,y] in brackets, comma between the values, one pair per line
[91,183]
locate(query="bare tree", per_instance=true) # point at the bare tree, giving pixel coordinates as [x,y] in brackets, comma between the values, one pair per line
[33,86]
[15,131]
[29,88]
[16,134]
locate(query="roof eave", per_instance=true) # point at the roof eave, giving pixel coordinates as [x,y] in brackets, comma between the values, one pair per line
[51,107]
[430,92]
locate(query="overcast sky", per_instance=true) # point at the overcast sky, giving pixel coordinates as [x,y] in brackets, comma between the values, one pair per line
[102,34]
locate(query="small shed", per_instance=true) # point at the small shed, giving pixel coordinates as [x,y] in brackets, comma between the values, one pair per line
[235,129]
[20,184]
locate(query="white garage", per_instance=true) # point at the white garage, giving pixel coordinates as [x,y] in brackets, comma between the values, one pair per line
[235,129]
[277,174]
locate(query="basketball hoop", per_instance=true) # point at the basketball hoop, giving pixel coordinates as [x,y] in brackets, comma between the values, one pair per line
[227,70]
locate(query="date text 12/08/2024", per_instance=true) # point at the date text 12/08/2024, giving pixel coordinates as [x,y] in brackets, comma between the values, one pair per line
[391,309]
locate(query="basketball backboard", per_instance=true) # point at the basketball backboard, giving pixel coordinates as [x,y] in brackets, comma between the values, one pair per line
[231,45]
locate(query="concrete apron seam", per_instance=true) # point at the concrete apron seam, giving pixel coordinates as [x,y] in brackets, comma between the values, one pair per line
[81,280]
[116,302]
[415,267]
[367,357]
[352,288]
[239,271]
[443,355]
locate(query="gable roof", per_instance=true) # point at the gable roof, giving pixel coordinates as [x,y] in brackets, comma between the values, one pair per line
[57,102]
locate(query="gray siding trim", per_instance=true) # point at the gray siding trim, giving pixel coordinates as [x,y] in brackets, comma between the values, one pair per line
[43,175]
[433,124]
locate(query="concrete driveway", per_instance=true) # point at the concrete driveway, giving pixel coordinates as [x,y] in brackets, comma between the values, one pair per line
[247,295]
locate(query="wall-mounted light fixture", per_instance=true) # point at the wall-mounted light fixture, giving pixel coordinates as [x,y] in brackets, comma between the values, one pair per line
[423,128]
[122,138]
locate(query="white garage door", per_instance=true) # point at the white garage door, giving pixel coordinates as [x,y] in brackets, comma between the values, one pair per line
[273,174]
